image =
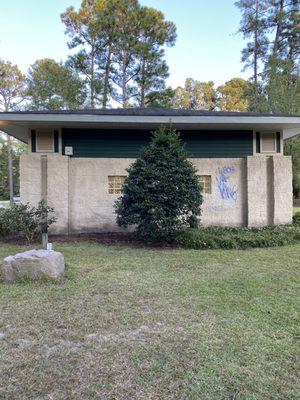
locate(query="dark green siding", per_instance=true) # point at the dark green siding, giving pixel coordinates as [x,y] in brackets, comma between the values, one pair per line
[127,143]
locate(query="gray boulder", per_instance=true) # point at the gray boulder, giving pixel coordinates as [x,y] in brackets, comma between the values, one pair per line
[33,264]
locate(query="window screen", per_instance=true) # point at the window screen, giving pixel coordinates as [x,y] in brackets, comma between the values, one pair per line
[45,142]
[268,142]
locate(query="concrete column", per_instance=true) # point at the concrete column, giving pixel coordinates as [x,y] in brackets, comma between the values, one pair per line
[30,178]
[283,189]
[58,191]
[257,191]
[269,190]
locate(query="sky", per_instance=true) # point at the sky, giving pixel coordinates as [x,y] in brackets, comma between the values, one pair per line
[207,46]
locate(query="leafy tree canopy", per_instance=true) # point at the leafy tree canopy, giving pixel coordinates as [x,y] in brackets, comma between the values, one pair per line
[195,95]
[12,83]
[232,96]
[53,86]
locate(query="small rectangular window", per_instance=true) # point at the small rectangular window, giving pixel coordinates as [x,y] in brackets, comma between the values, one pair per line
[45,142]
[268,142]
[115,184]
[205,182]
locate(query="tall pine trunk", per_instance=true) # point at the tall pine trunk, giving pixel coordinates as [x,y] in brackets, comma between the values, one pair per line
[10,171]
[256,56]
[124,91]
[142,101]
[278,28]
[106,79]
[92,83]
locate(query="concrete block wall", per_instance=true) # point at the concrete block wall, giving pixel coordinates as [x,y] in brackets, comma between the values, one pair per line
[252,191]
[283,190]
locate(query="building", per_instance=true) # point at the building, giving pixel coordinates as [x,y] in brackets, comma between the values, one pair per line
[77,161]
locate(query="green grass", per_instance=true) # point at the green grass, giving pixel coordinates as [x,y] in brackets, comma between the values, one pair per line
[136,323]
[296,210]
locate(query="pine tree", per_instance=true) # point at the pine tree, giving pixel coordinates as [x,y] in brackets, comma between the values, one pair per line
[53,86]
[254,28]
[162,192]
[12,83]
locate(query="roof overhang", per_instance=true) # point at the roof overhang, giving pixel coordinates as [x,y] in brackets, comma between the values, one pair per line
[17,124]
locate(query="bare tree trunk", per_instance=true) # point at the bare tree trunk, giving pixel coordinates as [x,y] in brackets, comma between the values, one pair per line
[124,93]
[142,101]
[256,57]
[106,79]
[93,78]
[10,171]
[278,28]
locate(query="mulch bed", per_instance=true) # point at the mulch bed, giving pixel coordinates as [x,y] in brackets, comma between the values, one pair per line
[104,238]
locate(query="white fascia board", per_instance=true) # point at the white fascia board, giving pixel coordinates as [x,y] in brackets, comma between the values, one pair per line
[61,118]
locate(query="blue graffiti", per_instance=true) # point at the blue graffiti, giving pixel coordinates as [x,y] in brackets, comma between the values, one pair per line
[226,191]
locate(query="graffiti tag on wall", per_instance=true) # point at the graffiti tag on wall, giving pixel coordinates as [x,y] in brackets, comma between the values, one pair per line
[226,190]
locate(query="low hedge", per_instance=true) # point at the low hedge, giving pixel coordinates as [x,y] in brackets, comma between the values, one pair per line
[238,238]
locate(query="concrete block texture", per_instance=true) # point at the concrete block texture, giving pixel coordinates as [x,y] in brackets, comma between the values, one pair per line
[283,190]
[252,191]
[269,190]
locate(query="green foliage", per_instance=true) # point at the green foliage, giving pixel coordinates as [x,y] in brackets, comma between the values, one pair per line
[24,221]
[12,83]
[120,49]
[238,238]
[53,86]
[292,148]
[232,95]
[195,95]
[282,91]
[162,192]
[17,149]
[272,52]
[296,218]
[160,98]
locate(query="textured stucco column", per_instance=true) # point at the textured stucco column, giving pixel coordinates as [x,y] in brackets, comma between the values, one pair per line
[32,185]
[283,189]
[58,191]
[258,187]
[30,178]
[269,190]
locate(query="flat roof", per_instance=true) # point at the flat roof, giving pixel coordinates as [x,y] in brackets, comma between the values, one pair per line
[17,123]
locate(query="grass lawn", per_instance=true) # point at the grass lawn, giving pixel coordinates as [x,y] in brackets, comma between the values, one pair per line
[134,323]
[296,210]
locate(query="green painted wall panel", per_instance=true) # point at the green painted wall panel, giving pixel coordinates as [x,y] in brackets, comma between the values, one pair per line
[127,143]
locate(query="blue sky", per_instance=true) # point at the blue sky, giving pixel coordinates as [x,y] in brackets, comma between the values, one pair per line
[207,46]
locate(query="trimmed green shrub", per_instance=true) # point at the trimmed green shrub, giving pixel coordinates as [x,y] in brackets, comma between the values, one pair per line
[296,218]
[237,238]
[21,220]
[162,192]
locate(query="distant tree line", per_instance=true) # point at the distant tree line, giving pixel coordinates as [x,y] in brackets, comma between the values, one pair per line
[118,59]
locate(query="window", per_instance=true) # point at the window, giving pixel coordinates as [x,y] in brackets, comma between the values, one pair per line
[205,182]
[115,184]
[268,142]
[45,142]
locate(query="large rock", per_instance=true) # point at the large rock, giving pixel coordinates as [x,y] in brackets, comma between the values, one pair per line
[33,264]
